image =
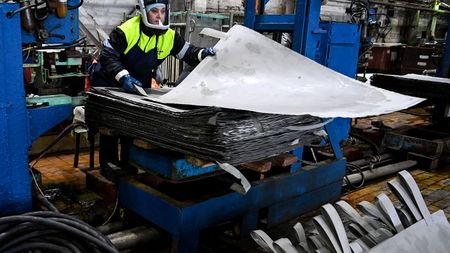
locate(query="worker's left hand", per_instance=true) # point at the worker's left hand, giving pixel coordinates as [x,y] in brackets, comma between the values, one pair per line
[209,51]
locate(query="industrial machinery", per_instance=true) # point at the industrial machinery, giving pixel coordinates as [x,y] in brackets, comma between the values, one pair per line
[40,36]
[172,195]
[427,144]
[47,50]
[50,35]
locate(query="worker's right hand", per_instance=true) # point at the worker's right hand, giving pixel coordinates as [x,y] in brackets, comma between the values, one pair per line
[128,82]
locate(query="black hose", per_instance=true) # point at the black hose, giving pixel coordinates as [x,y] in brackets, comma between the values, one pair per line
[69,220]
[44,201]
[359,9]
[63,242]
[26,237]
[351,168]
[94,231]
[38,245]
[50,232]
[11,14]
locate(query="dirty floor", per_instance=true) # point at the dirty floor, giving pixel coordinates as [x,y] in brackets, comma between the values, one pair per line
[435,185]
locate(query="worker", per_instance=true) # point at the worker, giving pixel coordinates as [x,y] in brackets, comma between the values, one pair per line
[131,56]
[137,47]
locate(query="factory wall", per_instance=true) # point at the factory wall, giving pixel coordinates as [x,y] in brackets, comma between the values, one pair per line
[403,28]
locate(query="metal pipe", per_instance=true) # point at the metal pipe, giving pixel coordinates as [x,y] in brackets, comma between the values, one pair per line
[369,160]
[131,238]
[381,171]
[111,227]
[407,6]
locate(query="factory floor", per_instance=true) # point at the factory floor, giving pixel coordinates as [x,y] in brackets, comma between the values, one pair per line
[435,186]
[59,169]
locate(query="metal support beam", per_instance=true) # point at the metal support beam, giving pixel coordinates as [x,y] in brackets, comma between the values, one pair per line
[15,181]
[18,127]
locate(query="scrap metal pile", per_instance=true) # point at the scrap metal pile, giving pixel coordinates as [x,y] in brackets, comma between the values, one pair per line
[406,226]
[224,135]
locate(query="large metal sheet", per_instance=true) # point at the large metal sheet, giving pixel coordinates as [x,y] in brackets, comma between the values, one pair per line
[420,237]
[252,72]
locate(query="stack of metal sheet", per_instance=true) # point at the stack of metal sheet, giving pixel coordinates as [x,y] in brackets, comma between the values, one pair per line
[210,133]
[415,85]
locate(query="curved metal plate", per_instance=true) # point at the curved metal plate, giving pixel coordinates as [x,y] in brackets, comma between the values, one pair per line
[388,210]
[356,230]
[411,185]
[331,216]
[263,240]
[405,216]
[315,242]
[403,196]
[356,248]
[371,210]
[322,250]
[299,233]
[284,245]
[353,215]
[326,234]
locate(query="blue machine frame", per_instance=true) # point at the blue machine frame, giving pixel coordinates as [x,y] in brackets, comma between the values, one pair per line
[18,126]
[285,196]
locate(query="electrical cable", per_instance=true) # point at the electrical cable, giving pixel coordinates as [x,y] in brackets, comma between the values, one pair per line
[359,10]
[50,231]
[42,197]
[359,13]
[44,201]
[113,211]
[75,43]
[11,14]
[351,169]
[65,131]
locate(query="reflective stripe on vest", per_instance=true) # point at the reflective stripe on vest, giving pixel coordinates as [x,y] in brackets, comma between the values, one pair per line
[131,29]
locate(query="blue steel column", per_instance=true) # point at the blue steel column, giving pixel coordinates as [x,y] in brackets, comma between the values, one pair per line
[300,25]
[311,29]
[307,18]
[250,12]
[15,184]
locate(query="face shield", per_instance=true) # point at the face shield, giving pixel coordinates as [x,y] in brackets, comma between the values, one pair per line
[148,10]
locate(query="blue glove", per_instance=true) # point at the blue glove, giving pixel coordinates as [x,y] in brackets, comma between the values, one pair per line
[209,51]
[128,82]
